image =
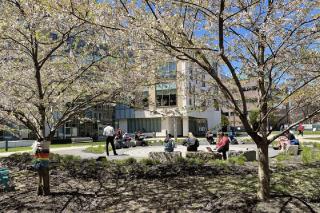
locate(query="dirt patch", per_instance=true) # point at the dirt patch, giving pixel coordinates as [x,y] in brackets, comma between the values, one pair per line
[114,187]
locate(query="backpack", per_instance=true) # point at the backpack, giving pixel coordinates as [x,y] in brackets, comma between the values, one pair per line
[196,143]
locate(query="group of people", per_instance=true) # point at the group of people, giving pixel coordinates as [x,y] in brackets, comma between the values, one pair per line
[192,143]
[119,135]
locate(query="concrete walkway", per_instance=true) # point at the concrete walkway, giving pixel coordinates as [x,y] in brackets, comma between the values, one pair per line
[143,152]
[138,152]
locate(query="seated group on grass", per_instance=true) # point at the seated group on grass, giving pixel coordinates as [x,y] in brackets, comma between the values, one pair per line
[286,140]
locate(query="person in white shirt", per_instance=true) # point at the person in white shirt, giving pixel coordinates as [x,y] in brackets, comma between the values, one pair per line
[109,133]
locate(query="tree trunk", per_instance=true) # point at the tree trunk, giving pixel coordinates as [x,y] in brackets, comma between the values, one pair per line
[43,170]
[263,173]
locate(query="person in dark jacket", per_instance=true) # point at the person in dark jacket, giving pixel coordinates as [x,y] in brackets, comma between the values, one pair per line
[169,143]
[192,143]
[291,138]
[209,137]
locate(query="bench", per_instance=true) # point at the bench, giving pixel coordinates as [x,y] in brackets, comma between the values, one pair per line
[204,155]
[165,157]
[250,155]
[4,179]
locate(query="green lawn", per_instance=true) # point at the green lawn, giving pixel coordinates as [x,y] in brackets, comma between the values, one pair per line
[28,148]
[304,133]
[316,139]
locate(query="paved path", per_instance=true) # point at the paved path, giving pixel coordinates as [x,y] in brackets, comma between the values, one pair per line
[138,152]
[143,152]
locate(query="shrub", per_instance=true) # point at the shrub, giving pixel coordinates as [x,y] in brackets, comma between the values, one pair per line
[195,161]
[126,162]
[149,162]
[282,157]
[218,163]
[96,149]
[247,140]
[239,160]
[181,160]
[61,141]
[70,162]
[20,160]
[310,155]
[130,161]
[316,146]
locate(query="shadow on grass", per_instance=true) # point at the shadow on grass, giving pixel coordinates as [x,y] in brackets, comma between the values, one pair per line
[178,192]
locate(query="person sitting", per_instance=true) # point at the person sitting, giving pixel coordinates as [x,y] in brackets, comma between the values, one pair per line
[291,138]
[232,137]
[284,142]
[223,144]
[192,143]
[119,134]
[169,144]
[139,137]
[209,137]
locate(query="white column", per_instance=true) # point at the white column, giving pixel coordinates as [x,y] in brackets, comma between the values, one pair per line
[185,126]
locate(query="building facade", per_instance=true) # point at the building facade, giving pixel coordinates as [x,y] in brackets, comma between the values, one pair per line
[173,104]
[251,93]
[90,123]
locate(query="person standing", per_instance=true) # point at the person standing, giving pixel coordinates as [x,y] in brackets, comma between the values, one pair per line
[300,129]
[109,133]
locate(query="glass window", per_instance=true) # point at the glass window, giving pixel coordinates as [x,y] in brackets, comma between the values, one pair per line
[169,70]
[145,99]
[144,125]
[166,94]
[68,131]
[191,74]
[198,126]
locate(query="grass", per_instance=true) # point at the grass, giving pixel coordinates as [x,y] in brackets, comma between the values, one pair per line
[316,139]
[304,133]
[96,149]
[238,160]
[283,157]
[297,182]
[28,148]
[247,140]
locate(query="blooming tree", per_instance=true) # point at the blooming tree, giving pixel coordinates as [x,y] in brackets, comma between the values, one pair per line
[53,65]
[260,41]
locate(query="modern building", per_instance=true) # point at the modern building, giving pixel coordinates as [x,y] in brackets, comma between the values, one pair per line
[173,104]
[251,93]
[276,120]
[90,123]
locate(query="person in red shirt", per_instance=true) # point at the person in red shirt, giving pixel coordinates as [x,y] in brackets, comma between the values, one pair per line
[223,144]
[300,129]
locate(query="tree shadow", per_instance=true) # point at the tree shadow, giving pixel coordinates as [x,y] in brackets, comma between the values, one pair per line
[177,193]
